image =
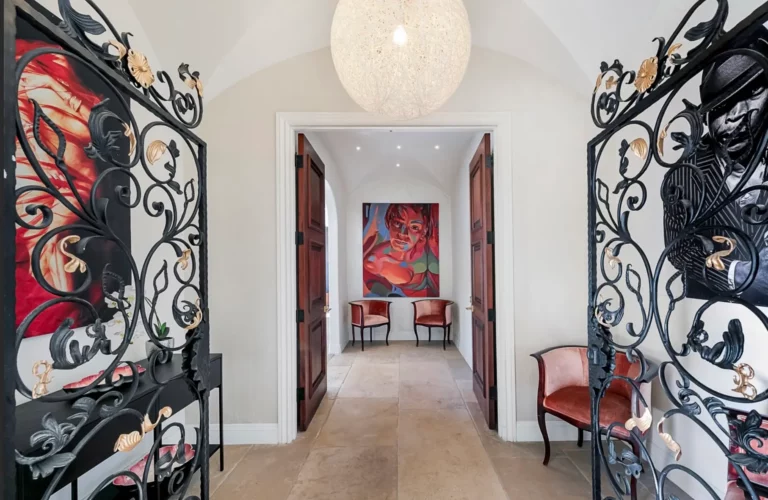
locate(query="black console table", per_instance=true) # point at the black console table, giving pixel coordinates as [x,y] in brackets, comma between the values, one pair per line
[177,395]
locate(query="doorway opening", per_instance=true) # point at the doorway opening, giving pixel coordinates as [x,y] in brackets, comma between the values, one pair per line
[316,129]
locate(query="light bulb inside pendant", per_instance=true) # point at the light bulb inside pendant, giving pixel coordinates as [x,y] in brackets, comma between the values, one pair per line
[400,37]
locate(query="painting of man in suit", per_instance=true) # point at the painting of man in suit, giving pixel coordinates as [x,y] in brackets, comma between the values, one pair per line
[725,189]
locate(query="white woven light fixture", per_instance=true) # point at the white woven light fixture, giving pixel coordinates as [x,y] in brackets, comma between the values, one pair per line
[401,58]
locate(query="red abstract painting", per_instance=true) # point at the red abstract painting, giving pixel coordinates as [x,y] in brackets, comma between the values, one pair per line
[401,250]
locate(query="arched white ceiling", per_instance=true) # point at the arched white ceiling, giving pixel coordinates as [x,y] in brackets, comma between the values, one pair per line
[228,40]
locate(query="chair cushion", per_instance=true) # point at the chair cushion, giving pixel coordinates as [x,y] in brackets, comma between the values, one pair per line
[431,320]
[375,319]
[573,402]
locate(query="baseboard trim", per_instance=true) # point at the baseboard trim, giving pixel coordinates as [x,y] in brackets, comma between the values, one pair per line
[528,431]
[380,334]
[245,434]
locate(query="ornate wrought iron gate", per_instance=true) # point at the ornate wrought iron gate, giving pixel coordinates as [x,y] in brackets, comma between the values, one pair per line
[691,124]
[103,192]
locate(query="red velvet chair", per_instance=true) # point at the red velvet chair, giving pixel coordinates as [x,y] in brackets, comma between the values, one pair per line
[369,314]
[433,313]
[735,489]
[564,393]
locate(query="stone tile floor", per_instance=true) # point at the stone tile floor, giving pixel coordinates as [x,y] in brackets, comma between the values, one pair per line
[401,422]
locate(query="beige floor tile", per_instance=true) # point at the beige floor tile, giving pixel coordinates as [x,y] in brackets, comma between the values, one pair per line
[368,380]
[425,352]
[451,352]
[349,474]
[494,445]
[308,437]
[343,359]
[440,456]
[466,387]
[265,472]
[459,369]
[528,478]
[360,422]
[336,377]
[378,356]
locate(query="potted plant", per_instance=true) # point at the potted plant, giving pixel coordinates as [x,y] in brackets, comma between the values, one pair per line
[162,332]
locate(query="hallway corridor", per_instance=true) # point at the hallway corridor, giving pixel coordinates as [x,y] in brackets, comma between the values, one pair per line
[401,422]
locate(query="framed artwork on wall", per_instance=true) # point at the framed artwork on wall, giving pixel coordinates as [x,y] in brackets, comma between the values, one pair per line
[59,88]
[401,250]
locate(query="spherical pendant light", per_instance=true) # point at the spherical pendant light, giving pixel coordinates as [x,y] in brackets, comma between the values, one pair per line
[400,58]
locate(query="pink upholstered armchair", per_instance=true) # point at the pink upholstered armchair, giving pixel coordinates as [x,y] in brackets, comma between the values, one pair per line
[564,393]
[369,314]
[736,489]
[433,313]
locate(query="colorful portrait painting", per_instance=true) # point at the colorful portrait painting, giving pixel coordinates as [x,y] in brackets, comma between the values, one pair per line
[401,250]
[66,91]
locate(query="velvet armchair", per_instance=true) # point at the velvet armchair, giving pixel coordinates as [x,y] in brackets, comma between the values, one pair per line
[369,314]
[564,392]
[735,489]
[433,313]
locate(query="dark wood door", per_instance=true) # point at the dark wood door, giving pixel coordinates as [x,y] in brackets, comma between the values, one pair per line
[310,258]
[482,300]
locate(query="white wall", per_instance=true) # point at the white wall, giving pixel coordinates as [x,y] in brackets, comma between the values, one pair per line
[549,203]
[397,187]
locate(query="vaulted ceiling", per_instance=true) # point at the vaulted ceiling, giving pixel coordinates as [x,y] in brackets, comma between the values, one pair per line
[228,40]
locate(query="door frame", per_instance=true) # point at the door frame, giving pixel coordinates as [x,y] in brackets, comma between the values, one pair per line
[288,125]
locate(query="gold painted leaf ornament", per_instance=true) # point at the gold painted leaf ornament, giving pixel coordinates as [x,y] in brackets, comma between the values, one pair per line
[646,75]
[640,147]
[660,142]
[75,263]
[155,151]
[128,132]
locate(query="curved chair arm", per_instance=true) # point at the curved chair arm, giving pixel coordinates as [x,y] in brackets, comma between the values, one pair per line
[561,366]
[358,312]
[433,307]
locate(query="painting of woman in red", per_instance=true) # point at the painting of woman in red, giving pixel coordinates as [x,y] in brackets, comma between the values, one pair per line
[55,82]
[401,248]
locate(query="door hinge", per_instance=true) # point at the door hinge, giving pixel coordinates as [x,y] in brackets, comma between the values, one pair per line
[491,315]
[300,316]
[490,238]
[299,161]
[489,160]
[492,393]
[299,238]
[300,394]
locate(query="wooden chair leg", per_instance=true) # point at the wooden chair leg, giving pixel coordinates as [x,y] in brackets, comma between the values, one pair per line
[580,443]
[387,340]
[362,338]
[430,333]
[353,335]
[370,332]
[445,336]
[543,427]
[449,334]
[416,331]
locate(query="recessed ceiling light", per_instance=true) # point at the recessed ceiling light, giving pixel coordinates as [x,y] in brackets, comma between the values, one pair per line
[358,148]
[397,165]
[437,146]
[399,146]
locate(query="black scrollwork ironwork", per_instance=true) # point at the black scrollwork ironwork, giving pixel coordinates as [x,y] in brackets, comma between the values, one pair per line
[64,214]
[713,196]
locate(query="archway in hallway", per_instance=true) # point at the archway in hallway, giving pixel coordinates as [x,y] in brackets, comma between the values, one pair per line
[333,304]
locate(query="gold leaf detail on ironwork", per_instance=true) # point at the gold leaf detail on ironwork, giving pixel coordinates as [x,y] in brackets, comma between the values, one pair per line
[121,50]
[140,69]
[640,147]
[127,442]
[646,75]
[660,142]
[599,82]
[744,373]
[44,378]
[155,151]
[75,263]
[715,261]
[612,259]
[673,446]
[674,48]
[198,317]
[128,132]
[643,422]
[184,259]
[611,82]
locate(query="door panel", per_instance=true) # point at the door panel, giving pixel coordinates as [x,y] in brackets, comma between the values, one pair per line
[310,267]
[483,314]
